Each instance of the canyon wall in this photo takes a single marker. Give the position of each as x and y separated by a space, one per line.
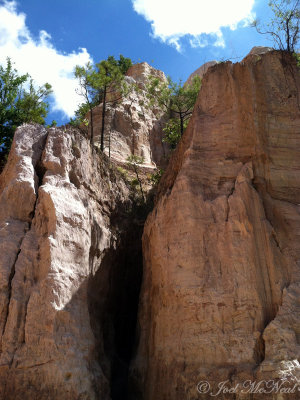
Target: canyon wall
220 288
220 293
67 273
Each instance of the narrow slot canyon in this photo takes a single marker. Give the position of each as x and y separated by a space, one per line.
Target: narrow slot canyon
113 297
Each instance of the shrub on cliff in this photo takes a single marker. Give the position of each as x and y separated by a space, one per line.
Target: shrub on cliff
134 162
101 84
284 27
20 102
176 99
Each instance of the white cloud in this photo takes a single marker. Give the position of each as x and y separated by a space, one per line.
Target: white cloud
40 58
173 19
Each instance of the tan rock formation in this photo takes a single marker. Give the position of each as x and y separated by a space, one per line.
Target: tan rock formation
131 126
140 73
221 287
62 213
258 50
201 71
220 295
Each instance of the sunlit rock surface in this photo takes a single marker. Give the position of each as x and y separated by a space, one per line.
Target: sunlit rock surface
221 297
62 215
131 126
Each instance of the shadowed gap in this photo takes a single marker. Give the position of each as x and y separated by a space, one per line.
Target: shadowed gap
113 305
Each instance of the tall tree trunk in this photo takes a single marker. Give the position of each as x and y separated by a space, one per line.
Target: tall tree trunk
181 124
288 34
103 118
139 181
133 132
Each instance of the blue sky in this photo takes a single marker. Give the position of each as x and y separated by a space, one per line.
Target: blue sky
48 38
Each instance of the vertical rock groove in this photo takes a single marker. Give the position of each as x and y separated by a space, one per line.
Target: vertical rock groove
17 211
10 278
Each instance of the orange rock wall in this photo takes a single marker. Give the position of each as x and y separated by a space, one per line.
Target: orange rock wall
220 296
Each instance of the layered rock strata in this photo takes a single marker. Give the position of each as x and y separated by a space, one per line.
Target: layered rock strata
221 289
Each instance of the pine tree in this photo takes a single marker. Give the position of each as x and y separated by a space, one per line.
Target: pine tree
104 85
20 101
176 99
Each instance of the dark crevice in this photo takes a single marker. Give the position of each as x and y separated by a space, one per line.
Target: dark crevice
74 179
38 149
113 296
96 235
228 206
11 277
40 171
259 350
261 189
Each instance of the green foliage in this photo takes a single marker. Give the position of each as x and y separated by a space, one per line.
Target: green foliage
297 56
134 162
176 99
284 27
104 84
10 86
123 172
20 102
87 89
111 85
156 176
82 111
108 73
123 64
134 182
172 131
74 122
30 104
93 81
52 125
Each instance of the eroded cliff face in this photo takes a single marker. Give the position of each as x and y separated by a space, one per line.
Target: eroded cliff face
201 71
221 289
131 126
69 278
220 293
